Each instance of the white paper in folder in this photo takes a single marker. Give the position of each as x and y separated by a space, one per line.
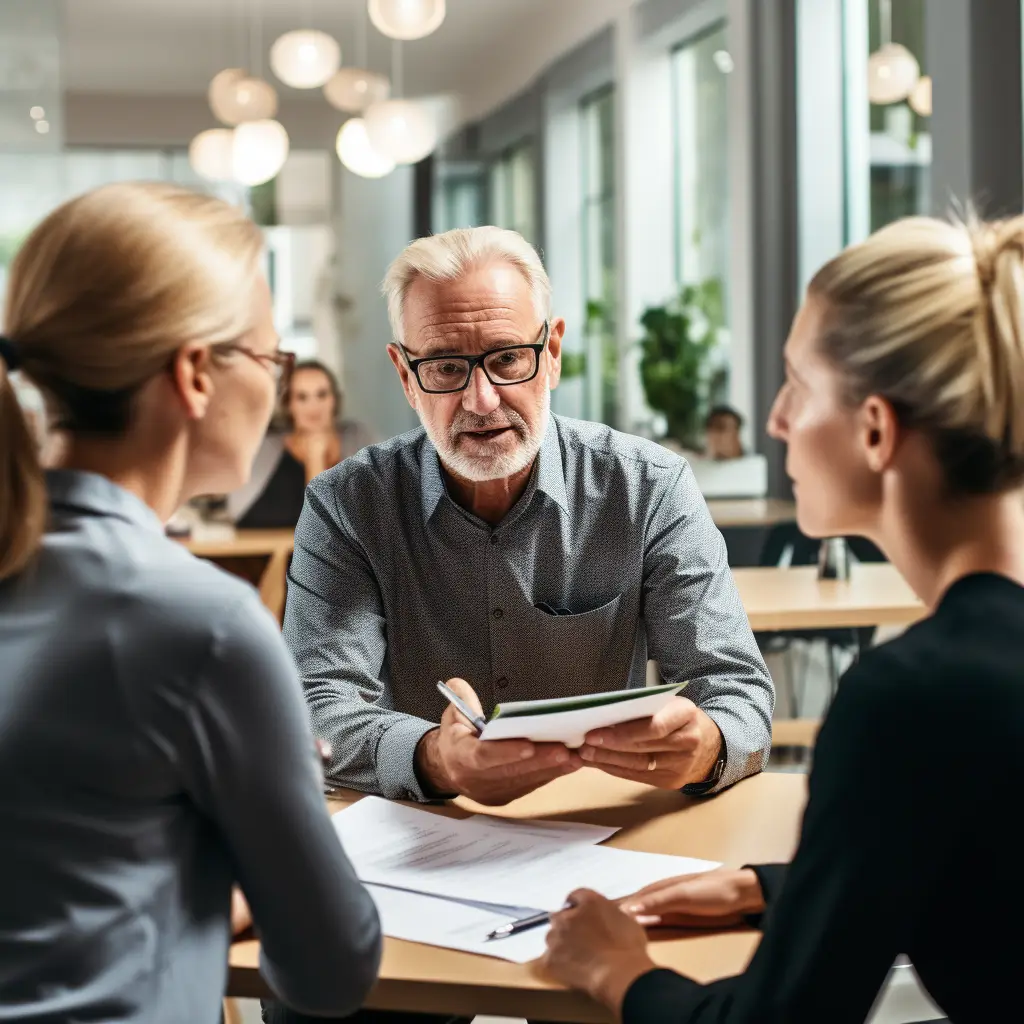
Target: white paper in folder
568 719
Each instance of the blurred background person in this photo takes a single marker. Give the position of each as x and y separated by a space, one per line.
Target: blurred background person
314 438
722 434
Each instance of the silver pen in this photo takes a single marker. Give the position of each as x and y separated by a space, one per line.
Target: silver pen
515 927
460 705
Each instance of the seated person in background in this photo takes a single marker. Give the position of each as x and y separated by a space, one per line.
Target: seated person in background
722 433
904 418
527 554
315 438
153 742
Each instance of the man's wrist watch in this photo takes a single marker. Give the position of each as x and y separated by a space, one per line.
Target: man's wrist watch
701 788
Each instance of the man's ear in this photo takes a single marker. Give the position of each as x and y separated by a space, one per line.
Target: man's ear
191 379
405 375
555 352
879 430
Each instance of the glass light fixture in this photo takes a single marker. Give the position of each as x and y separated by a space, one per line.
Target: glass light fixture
921 96
245 99
210 154
357 154
893 70
403 130
355 89
221 89
407 19
305 58
260 150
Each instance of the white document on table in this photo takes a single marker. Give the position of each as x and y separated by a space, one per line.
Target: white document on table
564 831
406 848
435 921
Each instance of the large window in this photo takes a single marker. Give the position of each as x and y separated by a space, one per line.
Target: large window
597 113
513 190
458 197
700 70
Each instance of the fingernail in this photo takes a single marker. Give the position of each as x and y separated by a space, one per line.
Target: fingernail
597 741
634 908
647 922
561 757
526 754
587 753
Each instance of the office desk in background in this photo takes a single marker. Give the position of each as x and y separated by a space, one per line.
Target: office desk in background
874 595
757 820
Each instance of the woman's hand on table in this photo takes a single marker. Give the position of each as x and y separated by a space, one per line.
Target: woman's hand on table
711 899
594 947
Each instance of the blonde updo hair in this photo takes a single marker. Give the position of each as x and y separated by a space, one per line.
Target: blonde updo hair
930 316
101 295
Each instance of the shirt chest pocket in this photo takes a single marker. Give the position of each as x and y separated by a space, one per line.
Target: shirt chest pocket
573 654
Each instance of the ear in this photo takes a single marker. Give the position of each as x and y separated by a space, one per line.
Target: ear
191 379
880 433
405 375
555 352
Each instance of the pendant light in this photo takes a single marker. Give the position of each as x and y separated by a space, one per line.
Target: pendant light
357 154
306 57
921 97
211 154
260 145
404 130
354 89
407 19
893 70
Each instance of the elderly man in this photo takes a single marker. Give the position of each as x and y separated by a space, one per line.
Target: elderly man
516 554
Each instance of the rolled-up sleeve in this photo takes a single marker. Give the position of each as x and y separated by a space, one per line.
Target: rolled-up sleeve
335 628
697 629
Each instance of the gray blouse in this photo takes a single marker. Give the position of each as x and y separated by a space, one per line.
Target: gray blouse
154 748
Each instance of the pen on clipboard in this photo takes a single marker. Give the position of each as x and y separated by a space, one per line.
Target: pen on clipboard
460 705
515 927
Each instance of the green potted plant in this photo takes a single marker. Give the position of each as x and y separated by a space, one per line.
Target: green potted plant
677 367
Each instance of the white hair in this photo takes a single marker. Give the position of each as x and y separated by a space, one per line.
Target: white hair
448 256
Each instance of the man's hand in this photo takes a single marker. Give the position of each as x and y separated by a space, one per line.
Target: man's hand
681 743
711 899
593 946
453 759
241 916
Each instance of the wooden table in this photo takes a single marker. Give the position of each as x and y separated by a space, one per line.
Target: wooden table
755 821
262 554
751 512
874 595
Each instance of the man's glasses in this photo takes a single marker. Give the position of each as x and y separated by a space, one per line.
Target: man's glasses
442 375
278 364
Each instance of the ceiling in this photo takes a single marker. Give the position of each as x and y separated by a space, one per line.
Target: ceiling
174 47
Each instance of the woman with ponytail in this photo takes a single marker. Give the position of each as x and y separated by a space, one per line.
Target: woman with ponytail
903 414
154 746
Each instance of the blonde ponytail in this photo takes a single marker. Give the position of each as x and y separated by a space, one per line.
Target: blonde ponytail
22 492
930 315
100 296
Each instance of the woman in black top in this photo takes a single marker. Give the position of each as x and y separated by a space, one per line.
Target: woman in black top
316 439
903 412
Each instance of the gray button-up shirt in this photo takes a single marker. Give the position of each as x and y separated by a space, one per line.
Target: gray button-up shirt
394 586
154 747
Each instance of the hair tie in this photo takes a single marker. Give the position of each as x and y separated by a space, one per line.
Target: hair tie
9 354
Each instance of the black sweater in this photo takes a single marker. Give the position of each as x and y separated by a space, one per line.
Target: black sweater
909 841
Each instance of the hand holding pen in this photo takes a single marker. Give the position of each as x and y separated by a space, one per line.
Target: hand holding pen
453 760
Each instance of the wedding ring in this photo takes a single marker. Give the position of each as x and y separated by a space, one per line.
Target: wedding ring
652 763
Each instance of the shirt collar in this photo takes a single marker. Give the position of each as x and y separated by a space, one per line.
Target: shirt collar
548 473
96 495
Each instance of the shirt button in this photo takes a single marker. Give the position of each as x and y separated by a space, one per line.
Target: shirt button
501 683
498 613
494 538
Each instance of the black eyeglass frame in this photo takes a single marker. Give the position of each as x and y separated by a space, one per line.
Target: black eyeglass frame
475 361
